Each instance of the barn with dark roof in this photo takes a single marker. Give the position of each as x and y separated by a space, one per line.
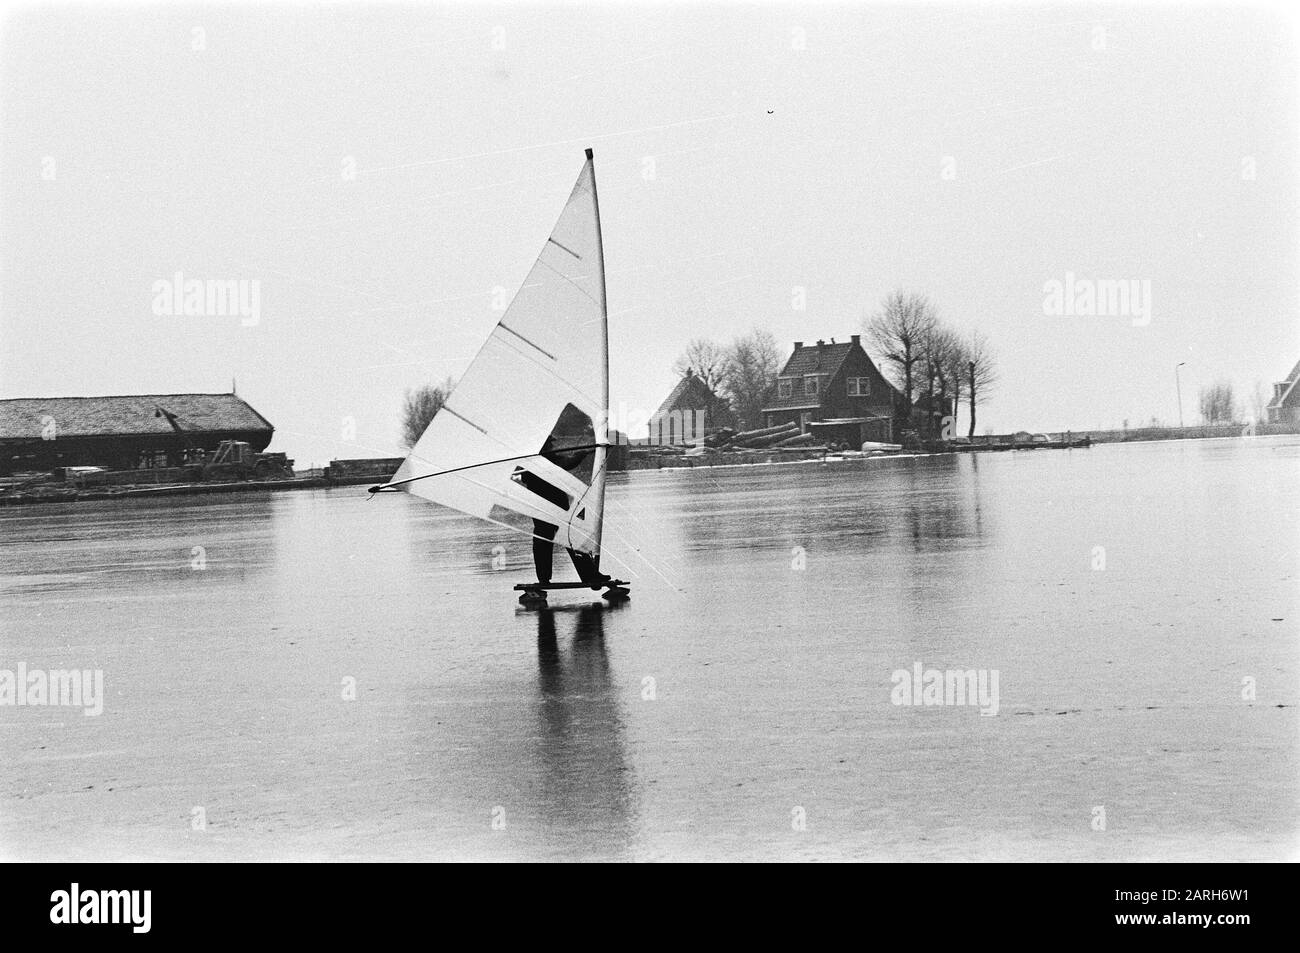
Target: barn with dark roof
1284 408
121 433
689 413
836 392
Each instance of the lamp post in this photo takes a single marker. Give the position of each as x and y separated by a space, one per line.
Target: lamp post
1178 386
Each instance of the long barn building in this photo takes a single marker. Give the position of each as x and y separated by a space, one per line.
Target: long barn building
122 433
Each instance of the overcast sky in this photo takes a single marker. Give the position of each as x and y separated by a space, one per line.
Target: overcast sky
971 153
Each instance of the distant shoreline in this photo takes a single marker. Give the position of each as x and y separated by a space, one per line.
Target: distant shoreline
1204 432
51 495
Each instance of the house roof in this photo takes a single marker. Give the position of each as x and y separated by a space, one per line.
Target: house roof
1291 381
690 387
824 360
24 418
816 359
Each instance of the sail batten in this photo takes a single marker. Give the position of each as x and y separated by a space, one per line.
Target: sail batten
523 436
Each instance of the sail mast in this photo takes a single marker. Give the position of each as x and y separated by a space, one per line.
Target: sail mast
602 425
604 309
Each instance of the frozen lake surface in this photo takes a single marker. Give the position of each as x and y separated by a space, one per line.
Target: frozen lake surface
739 706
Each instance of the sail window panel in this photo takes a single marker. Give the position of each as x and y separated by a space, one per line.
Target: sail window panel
534 484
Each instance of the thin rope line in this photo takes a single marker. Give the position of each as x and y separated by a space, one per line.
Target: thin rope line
487 463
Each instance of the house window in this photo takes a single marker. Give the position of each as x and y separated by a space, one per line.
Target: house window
810 385
859 386
785 388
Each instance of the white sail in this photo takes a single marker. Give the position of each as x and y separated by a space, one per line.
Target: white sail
540 382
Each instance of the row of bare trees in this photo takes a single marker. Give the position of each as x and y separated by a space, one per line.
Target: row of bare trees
923 357
1219 404
927 359
911 345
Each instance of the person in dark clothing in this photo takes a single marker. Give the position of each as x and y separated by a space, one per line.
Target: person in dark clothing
572 430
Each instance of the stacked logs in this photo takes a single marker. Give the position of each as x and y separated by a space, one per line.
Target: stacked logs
766 438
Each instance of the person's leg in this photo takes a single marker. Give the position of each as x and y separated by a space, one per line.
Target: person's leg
542 549
588 570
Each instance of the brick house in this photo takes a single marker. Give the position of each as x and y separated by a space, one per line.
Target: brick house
836 392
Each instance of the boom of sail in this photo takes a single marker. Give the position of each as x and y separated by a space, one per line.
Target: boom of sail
523 435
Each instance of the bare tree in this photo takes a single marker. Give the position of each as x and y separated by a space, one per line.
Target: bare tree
1259 403
419 407
897 333
1218 405
753 361
708 363
981 372
941 351
955 373
705 359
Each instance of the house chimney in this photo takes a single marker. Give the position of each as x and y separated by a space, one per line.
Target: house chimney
798 344
856 339
690 372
